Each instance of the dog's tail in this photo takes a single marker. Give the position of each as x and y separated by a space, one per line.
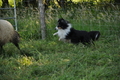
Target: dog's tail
97 35
94 35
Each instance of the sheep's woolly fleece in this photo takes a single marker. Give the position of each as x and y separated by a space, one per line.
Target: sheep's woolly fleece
6 31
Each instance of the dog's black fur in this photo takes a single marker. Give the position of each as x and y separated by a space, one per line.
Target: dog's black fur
77 36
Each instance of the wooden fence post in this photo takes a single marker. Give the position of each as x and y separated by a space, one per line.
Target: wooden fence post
42 18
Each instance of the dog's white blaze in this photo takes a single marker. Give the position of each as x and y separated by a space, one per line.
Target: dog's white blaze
62 33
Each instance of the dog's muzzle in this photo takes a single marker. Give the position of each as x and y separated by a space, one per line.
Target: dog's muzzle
56 28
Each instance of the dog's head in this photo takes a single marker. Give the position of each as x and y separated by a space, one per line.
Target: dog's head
62 24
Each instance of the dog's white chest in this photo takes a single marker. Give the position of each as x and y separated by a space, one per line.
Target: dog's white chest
62 34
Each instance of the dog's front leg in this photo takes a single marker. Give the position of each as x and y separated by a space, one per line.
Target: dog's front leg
55 33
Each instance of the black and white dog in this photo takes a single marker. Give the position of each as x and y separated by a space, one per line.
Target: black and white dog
67 33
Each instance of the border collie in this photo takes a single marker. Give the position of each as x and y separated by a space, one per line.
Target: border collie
66 32
94 35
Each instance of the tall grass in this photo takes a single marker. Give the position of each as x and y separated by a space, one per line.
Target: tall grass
51 59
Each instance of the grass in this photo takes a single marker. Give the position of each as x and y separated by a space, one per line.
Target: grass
51 59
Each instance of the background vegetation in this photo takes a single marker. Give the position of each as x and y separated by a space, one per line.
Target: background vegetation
51 59
57 3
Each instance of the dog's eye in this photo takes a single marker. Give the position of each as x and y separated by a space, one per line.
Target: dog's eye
58 25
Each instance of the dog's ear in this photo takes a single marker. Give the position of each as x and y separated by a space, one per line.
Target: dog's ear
61 20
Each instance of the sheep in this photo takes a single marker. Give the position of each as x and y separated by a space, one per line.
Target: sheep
8 34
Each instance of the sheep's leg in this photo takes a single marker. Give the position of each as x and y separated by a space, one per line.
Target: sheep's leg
1 49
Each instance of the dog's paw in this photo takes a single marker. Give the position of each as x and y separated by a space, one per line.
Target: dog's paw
59 39
54 34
